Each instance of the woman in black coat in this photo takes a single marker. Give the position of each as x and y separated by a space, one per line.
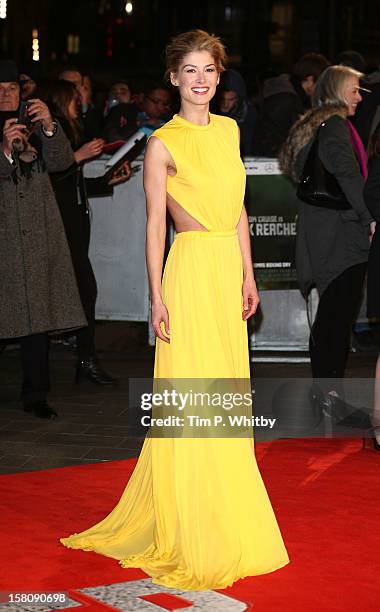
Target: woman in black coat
332 245
71 195
372 199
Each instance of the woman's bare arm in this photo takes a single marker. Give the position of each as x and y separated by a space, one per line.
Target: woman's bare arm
245 244
156 162
250 296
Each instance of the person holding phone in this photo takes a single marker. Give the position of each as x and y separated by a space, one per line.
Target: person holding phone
71 193
39 294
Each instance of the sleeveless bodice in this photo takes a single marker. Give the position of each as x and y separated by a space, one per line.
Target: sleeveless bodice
210 179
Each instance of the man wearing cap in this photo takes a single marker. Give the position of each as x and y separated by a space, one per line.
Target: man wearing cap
38 292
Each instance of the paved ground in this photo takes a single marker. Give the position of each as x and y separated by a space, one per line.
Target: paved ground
93 422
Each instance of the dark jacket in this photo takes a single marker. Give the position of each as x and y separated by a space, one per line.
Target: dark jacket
243 111
92 123
38 292
368 114
372 199
121 122
328 241
284 101
71 194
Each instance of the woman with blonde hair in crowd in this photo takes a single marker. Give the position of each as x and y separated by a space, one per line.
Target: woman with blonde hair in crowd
333 238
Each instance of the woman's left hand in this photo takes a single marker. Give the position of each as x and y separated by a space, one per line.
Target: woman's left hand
39 111
251 298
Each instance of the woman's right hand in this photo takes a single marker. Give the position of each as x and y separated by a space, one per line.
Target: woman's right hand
89 150
12 131
160 315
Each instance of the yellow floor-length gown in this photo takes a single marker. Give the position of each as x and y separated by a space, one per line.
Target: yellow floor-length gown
195 513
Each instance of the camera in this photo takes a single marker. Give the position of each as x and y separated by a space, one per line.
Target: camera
23 116
24 119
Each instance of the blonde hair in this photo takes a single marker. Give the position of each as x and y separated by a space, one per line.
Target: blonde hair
195 40
329 89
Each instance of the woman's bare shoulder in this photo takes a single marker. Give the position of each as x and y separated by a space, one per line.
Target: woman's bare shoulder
156 149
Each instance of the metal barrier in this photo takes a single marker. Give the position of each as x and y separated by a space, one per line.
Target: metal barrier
117 249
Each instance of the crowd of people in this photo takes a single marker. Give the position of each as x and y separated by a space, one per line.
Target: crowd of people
265 109
69 123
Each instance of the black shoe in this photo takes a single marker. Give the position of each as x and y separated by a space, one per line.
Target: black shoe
339 411
335 408
41 409
326 404
91 369
372 443
344 414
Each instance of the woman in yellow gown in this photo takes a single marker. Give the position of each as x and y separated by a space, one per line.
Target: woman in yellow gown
195 513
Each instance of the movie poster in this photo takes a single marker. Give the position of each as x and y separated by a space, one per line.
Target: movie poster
272 212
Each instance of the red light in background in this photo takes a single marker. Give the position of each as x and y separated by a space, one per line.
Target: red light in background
109 41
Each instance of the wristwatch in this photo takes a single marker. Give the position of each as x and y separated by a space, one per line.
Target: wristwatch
9 157
50 133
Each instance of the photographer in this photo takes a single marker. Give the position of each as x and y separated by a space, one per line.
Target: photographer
38 292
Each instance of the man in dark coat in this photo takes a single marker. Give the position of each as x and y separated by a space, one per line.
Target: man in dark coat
368 115
233 102
38 292
285 98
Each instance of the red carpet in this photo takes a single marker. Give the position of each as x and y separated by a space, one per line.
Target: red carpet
325 493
